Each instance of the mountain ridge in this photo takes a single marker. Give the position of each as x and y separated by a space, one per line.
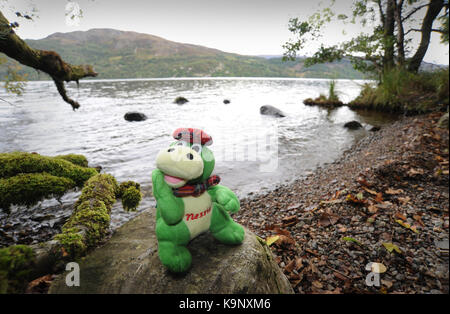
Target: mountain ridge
127 54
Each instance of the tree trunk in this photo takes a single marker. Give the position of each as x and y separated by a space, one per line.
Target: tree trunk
400 34
388 36
47 61
433 10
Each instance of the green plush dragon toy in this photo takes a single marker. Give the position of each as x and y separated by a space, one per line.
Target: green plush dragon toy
189 200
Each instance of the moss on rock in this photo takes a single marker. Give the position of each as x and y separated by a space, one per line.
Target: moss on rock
78 160
12 164
15 268
131 198
28 189
89 222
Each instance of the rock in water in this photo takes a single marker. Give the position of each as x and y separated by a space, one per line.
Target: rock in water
271 111
353 125
129 263
135 116
180 100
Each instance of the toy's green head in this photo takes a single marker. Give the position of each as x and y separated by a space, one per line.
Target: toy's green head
188 159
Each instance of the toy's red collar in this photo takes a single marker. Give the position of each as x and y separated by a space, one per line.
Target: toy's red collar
196 189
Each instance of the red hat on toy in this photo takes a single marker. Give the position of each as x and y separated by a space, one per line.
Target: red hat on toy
193 136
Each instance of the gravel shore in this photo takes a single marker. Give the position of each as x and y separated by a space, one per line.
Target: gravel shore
385 201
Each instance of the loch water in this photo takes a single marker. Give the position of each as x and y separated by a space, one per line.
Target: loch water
253 152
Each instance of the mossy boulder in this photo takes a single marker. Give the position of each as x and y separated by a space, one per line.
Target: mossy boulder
30 188
27 178
129 263
76 159
15 163
16 264
89 223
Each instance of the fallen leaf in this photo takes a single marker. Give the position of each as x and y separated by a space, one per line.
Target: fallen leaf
379 197
412 172
356 200
280 231
407 226
340 276
289 221
370 191
388 284
419 220
372 209
363 182
391 247
404 200
317 284
348 239
331 202
400 216
327 219
378 268
384 205
272 239
290 266
393 192
284 240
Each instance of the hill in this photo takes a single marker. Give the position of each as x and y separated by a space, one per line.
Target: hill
124 54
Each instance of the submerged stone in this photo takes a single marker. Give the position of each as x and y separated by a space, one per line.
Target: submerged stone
180 100
271 111
353 125
135 116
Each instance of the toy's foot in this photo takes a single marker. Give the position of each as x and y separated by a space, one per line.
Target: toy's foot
175 257
232 233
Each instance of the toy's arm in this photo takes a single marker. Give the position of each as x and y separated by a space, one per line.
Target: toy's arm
225 197
170 207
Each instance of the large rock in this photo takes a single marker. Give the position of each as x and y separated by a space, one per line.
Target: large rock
129 263
353 125
180 100
135 116
271 111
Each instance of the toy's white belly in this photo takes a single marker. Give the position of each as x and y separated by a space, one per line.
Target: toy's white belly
197 213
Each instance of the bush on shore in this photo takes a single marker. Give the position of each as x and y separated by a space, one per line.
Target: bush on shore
406 92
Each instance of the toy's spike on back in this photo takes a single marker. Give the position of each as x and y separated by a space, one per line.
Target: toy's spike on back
193 136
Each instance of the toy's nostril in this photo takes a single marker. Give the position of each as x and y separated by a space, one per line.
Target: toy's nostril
170 150
190 156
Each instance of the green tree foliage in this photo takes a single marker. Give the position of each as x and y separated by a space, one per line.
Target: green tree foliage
385 43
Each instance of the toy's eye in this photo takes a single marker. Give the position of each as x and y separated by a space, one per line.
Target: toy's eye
197 148
181 143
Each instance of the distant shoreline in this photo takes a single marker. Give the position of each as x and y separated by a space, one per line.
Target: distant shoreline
206 78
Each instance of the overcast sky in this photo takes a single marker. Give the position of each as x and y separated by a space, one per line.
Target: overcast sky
250 27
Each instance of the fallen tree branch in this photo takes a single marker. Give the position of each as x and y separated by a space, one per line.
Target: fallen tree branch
49 62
